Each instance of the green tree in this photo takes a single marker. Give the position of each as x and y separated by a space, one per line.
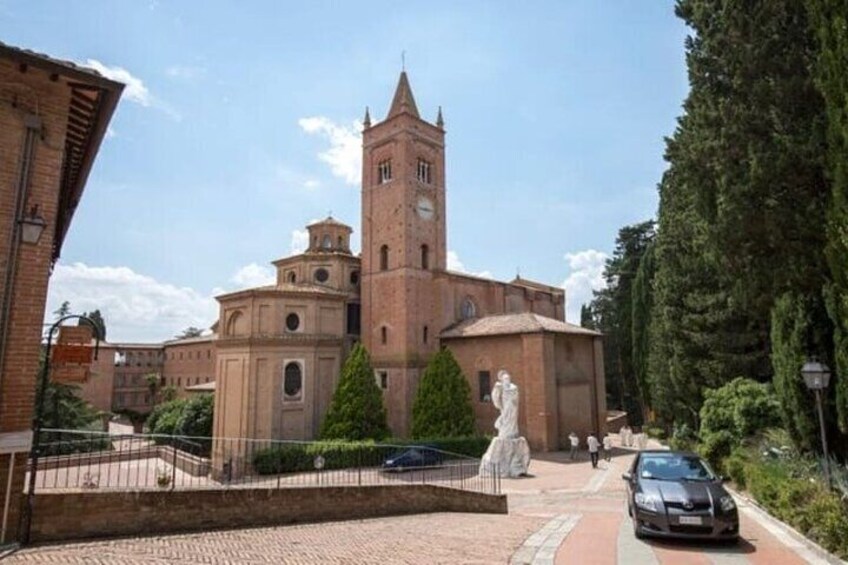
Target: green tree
641 300
442 406
796 334
185 416
612 309
65 410
97 318
743 200
190 331
63 310
830 23
356 411
587 319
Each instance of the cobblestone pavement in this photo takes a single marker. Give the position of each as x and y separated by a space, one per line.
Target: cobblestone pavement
566 512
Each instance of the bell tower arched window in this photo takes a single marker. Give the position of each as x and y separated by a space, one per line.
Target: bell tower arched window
425 257
384 258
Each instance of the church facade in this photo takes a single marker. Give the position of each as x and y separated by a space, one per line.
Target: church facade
280 348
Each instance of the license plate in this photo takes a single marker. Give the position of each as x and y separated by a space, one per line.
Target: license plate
691 521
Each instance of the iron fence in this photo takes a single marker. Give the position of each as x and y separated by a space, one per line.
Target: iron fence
72 460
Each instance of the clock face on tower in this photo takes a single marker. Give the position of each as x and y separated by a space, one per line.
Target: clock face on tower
425 208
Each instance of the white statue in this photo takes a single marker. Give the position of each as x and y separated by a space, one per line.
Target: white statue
508 455
505 399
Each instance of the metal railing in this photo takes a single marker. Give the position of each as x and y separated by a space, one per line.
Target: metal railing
73 460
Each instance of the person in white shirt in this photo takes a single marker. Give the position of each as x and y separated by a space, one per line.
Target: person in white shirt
575 442
607 447
593 444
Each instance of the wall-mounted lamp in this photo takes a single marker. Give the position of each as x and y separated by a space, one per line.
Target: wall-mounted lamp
32 225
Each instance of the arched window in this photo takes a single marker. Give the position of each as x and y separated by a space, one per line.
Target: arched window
426 332
468 309
425 257
292 380
354 278
327 242
292 277
384 258
384 335
235 325
341 242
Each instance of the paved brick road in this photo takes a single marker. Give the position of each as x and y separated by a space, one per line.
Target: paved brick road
565 513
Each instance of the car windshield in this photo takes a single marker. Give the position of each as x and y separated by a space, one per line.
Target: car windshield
674 467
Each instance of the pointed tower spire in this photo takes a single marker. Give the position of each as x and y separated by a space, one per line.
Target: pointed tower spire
440 121
367 121
403 100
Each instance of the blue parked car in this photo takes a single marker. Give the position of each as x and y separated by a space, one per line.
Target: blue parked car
413 457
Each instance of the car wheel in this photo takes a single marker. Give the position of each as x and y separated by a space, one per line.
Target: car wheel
636 531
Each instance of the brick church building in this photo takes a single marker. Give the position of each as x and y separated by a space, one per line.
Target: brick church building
280 347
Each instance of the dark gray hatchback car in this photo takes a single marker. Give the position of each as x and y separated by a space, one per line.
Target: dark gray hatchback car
676 494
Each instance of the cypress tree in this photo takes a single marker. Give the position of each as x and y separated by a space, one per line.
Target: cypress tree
442 406
641 322
830 22
356 411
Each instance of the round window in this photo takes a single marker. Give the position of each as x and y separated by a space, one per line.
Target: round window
293 380
292 322
321 275
354 278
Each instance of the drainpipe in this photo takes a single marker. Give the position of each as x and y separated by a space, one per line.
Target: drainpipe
32 123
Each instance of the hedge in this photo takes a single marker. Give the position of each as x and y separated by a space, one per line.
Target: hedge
805 504
300 457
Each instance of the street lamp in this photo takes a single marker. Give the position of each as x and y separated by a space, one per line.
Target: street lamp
817 377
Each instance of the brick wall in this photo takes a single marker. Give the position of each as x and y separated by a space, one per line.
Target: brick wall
29 290
58 516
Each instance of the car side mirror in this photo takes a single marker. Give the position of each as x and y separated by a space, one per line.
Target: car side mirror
627 477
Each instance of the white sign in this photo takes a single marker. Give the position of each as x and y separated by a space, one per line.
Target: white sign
16 442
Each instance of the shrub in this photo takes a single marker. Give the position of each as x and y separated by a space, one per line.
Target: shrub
300 457
655 432
442 406
735 466
356 411
737 410
716 447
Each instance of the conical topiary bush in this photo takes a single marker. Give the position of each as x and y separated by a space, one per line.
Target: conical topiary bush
442 406
356 411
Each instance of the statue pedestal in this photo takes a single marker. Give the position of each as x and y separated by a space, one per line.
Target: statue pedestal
510 457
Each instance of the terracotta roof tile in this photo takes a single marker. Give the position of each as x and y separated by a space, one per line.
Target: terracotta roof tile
506 324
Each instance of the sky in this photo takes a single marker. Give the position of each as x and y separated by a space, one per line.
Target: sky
240 123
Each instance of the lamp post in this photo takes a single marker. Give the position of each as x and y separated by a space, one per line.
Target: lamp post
817 377
43 380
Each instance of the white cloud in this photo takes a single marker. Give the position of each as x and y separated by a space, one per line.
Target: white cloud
586 273
253 275
455 265
136 307
135 91
345 153
299 241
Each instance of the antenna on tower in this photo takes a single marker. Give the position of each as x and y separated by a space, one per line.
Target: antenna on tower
403 61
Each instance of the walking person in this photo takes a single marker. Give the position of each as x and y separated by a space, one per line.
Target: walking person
575 442
607 448
593 444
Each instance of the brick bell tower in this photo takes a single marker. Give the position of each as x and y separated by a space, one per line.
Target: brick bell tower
403 246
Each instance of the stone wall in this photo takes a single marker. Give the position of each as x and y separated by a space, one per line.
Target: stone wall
107 514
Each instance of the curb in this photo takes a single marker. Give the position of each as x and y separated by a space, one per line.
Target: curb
785 528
